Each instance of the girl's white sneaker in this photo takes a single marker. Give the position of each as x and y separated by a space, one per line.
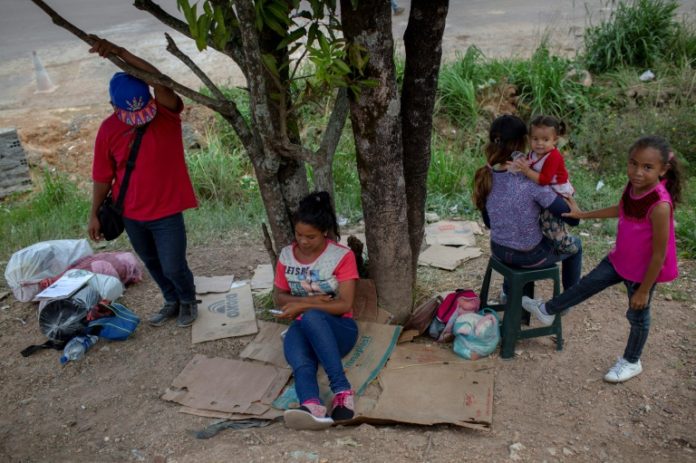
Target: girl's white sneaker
622 371
308 417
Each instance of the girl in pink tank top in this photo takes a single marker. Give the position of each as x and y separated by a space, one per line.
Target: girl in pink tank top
644 253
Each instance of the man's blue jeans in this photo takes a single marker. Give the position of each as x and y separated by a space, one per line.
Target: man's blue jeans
600 278
161 245
543 255
317 338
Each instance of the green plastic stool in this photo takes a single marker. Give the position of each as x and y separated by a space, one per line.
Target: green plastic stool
521 283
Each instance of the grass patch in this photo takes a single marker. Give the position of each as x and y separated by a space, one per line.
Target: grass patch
637 33
58 210
473 86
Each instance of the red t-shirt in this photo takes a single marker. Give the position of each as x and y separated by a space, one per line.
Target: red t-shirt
334 265
159 185
551 167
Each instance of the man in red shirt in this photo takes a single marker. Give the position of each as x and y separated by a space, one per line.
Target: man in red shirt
159 189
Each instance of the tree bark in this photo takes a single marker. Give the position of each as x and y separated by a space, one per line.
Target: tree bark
375 117
423 43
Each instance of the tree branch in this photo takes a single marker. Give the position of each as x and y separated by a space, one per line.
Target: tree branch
334 129
224 107
180 26
174 50
268 244
256 71
235 118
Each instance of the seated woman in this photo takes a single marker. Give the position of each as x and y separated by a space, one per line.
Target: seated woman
511 203
314 286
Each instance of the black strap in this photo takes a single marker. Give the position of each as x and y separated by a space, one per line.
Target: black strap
50 344
129 167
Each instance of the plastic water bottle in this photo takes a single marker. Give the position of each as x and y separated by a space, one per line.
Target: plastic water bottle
75 349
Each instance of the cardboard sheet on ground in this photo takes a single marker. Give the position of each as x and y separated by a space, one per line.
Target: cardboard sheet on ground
229 386
217 284
362 364
365 303
430 385
452 233
447 257
270 414
225 315
267 346
263 277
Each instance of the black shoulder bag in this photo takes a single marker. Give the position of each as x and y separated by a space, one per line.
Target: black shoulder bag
110 215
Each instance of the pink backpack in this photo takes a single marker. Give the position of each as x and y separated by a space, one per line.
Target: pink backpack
459 302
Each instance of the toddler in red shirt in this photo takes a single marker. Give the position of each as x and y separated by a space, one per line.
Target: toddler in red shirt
545 166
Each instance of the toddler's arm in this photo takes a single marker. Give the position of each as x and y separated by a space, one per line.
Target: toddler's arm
523 166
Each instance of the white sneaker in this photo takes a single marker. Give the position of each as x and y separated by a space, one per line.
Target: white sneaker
622 371
533 306
308 417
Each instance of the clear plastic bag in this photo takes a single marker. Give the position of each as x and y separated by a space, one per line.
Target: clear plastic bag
62 319
27 267
476 335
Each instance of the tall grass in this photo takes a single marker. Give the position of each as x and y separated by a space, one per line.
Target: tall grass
637 33
222 173
57 210
543 84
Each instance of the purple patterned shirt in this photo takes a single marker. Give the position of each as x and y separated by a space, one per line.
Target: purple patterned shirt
513 206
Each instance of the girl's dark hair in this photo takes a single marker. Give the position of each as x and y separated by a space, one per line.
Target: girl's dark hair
669 159
506 135
317 210
548 121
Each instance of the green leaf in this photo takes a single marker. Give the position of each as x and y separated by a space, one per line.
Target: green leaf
323 42
270 62
312 34
293 36
275 26
280 13
342 66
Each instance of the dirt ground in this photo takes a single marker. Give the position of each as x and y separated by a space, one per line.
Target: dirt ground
107 407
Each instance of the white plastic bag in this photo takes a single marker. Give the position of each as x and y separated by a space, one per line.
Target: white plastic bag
108 287
28 266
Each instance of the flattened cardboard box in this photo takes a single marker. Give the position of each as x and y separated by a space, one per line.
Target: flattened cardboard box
267 346
263 277
228 386
447 257
216 284
365 303
452 233
225 315
429 385
271 414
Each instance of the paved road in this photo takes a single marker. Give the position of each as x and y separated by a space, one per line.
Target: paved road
498 27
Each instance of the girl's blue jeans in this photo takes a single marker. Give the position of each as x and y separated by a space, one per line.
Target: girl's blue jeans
543 255
161 244
600 278
319 338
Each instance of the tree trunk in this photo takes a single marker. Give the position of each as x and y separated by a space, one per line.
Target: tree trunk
377 129
423 42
